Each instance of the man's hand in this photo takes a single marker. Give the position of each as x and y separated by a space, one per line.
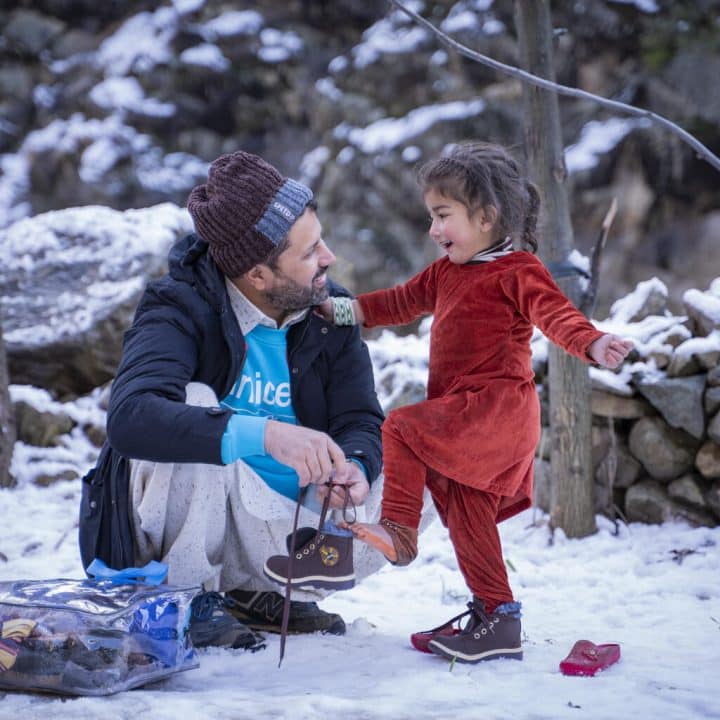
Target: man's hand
310 453
610 350
353 478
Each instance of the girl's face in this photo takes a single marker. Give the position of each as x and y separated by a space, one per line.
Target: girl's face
458 235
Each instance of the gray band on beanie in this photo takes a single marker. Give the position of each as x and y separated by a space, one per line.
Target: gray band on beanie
284 209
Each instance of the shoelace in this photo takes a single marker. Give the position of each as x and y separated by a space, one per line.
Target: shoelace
323 515
478 616
448 623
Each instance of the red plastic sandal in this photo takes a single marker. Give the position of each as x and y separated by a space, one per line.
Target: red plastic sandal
420 640
586 658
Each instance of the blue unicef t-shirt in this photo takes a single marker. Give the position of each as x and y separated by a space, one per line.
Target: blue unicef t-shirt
262 393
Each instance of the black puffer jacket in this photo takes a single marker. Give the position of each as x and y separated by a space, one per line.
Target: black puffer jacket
185 331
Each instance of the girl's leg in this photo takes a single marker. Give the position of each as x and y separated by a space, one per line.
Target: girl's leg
471 519
395 536
493 628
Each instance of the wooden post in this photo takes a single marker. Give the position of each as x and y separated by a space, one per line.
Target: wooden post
7 420
572 484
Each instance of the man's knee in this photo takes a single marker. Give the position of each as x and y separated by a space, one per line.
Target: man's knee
200 395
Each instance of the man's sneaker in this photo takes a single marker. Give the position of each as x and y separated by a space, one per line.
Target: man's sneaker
320 561
212 625
263 611
486 636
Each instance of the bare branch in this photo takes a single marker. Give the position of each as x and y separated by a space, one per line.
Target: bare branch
527 77
587 305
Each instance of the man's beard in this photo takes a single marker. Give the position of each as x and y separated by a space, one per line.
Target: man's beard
292 296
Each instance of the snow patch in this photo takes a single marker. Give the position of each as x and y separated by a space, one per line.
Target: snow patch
232 23
596 139
205 55
630 305
705 303
388 133
126 93
393 35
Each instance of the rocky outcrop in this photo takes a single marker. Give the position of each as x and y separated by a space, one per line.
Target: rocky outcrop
69 285
125 104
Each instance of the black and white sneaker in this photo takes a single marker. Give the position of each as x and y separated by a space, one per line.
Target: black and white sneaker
263 611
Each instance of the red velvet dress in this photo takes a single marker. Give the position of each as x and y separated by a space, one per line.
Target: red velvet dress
481 422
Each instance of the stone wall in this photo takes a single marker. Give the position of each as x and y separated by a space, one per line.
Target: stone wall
656 423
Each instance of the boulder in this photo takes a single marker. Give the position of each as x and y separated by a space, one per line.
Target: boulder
621 471
695 355
714 429
712 498
713 377
679 400
664 452
69 286
689 490
707 460
712 400
605 404
648 502
38 428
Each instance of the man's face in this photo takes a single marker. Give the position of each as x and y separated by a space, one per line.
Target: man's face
299 280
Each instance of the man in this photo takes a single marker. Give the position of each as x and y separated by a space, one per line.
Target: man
230 396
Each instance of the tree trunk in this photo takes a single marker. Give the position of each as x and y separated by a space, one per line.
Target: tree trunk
572 490
7 420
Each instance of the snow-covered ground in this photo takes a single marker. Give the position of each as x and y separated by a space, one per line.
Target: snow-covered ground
655 590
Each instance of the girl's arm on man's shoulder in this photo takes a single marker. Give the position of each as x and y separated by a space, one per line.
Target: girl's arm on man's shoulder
401 304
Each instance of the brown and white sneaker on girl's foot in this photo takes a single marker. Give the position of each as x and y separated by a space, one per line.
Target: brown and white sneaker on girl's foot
486 636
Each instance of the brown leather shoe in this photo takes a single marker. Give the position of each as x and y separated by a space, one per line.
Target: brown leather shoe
324 561
486 636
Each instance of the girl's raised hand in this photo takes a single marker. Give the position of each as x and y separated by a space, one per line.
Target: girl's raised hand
610 350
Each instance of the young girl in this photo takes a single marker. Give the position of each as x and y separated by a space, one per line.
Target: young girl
472 442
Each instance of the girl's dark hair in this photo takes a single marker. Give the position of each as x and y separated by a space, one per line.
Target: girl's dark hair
480 175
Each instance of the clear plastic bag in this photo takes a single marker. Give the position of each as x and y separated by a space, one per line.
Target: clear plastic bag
92 637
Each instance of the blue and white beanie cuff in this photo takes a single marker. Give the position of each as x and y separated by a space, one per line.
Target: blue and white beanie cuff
287 205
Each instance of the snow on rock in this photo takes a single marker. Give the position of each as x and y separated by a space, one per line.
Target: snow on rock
233 23
647 6
703 309
598 138
140 43
395 34
401 366
111 155
205 55
648 298
69 283
695 346
126 94
617 383
388 133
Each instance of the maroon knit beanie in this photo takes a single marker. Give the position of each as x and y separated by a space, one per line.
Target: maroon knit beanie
244 210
